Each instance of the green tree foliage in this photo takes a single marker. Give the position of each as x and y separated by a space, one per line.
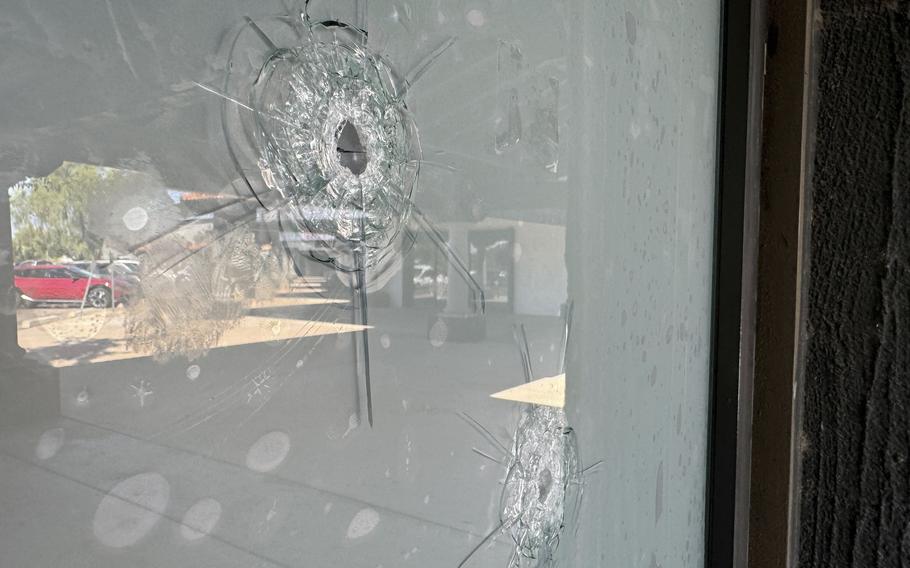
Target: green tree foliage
50 214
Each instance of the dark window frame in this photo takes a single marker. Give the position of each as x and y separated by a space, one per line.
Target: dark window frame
742 42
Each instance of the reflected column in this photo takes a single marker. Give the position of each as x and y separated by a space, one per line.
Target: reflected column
460 320
457 293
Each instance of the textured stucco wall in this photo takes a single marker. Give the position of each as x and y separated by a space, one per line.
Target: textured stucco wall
855 446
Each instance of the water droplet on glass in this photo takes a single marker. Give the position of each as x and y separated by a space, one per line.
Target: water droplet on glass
327 509
200 519
193 372
299 363
385 341
476 18
82 397
363 523
268 452
50 443
131 509
136 218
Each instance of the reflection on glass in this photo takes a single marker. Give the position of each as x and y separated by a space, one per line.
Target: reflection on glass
428 282
491 264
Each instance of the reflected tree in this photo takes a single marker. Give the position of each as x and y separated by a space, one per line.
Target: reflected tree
50 214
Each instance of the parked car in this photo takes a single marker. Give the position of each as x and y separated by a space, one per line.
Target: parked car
68 284
105 268
25 263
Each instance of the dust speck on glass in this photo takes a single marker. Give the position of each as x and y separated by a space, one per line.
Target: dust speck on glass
355 283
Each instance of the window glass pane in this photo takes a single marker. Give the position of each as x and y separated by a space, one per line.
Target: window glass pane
397 283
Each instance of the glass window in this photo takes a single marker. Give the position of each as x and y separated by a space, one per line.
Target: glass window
405 283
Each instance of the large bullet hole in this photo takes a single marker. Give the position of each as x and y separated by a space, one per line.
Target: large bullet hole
351 152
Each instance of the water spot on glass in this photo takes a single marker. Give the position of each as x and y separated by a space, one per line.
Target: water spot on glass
192 372
426 500
142 391
260 387
136 218
659 493
631 28
131 509
540 359
388 472
438 333
634 130
385 341
327 509
363 523
476 18
404 404
268 452
342 340
589 63
516 252
83 397
299 363
509 130
262 525
353 424
50 443
411 552
552 347
200 519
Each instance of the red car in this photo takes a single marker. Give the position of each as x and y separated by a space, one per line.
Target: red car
68 284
